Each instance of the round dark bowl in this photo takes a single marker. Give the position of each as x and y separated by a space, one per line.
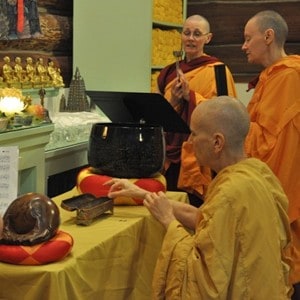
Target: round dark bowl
126 150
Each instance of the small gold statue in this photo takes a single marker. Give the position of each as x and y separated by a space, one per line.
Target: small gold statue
54 73
8 71
31 75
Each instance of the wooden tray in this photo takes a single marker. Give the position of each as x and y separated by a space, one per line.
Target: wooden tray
88 207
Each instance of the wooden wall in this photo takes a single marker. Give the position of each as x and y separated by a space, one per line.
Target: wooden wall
56 42
227 19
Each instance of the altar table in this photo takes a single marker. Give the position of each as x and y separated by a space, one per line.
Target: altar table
113 259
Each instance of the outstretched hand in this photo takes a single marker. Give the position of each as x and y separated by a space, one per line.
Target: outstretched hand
157 203
125 188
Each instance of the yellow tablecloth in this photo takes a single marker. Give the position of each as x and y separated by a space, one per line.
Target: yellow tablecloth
113 259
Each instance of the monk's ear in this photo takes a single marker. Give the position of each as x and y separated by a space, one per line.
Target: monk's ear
219 142
269 36
208 37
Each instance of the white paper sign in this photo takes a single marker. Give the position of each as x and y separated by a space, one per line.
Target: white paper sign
9 158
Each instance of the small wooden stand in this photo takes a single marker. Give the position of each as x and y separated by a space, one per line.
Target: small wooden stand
88 207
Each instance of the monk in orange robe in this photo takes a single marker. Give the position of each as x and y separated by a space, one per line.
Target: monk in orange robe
185 86
274 109
235 245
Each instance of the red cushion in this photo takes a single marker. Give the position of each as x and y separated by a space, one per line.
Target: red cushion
47 252
89 182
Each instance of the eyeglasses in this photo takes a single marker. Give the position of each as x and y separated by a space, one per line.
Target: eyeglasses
196 34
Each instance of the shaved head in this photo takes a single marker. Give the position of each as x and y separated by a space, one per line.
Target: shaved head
269 19
201 19
225 115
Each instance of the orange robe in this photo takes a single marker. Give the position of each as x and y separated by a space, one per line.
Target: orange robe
202 84
274 135
236 252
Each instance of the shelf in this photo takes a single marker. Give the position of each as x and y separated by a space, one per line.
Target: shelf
50 92
24 127
157 67
166 25
19 132
66 158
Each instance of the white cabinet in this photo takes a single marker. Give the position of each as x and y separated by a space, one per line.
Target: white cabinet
31 143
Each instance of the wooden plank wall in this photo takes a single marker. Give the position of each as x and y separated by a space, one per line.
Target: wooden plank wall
56 42
227 19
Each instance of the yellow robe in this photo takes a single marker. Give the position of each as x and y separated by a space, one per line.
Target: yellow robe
274 135
202 84
238 249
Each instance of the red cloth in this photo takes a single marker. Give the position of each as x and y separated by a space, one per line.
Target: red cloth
20 20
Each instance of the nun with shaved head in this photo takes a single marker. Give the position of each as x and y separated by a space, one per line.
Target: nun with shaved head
235 245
